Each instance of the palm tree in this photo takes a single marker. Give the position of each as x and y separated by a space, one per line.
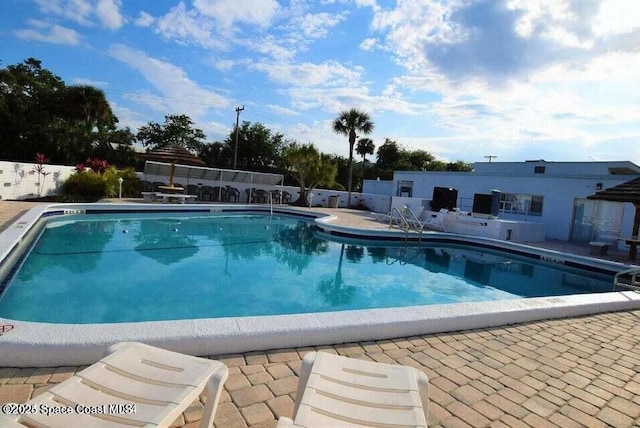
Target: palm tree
347 123
365 147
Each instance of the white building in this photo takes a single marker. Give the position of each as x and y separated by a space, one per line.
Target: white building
553 193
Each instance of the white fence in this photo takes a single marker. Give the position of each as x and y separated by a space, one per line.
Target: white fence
19 180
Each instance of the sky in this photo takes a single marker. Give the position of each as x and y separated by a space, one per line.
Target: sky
463 79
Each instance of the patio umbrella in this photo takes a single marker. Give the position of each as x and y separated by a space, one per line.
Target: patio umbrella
173 155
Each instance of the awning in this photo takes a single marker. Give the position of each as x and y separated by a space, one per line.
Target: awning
212 174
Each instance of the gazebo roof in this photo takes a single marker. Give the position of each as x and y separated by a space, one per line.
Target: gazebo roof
176 154
628 191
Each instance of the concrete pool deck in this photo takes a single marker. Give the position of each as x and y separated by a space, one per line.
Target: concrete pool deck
568 372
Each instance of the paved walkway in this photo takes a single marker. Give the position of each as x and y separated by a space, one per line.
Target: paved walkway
566 373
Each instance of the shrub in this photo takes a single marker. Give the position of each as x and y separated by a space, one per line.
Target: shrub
84 187
130 185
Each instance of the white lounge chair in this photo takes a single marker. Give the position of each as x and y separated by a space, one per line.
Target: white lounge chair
339 392
135 385
435 222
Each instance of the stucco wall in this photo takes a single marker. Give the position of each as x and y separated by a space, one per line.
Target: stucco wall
559 193
19 180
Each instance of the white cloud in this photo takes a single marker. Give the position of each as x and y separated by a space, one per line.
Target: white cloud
228 12
271 46
44 32
179 94
214 130
368 44
134 119
144 20
617 17
189 27
89 82
81 11
75 10
282 110
108 12
308 74
317 25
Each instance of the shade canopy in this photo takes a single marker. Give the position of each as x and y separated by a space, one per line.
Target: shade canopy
213 174
176 154
628 191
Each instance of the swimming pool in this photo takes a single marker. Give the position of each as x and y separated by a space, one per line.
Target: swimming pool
119 267
39 343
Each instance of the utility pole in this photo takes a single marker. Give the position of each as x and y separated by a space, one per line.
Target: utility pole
490 157
235 155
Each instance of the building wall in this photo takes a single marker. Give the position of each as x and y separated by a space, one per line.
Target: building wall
18 180
559 191
557 168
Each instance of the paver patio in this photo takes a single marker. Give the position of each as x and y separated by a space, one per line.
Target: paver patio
568 373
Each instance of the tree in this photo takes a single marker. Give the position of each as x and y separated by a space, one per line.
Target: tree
216 155
364 147
27 101
88 121
309 168
389 155
177 130
348 123
258 147
39 113
418 160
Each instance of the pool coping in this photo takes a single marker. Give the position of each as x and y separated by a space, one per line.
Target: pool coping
31 344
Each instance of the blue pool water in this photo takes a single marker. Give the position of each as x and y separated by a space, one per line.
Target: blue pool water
142 267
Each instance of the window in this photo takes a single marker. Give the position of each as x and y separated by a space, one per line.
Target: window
518 203
539 169
405 188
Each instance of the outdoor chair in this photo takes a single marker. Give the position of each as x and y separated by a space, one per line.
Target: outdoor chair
276 196
219 194
192 189
286 197
134 385
206 193
335 391
435 222
260 196
233 195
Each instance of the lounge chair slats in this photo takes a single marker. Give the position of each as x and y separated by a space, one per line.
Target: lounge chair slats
343 392
74 419
79 393
161 384
113 382
317 405
156 363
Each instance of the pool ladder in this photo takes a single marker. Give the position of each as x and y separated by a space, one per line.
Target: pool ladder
628 279
406 220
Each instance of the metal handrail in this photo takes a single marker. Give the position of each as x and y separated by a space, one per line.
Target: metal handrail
404 224
633 283
414 217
